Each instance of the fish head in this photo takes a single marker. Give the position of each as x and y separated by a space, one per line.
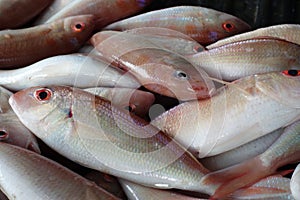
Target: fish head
80 26
283 87
42 109
223 25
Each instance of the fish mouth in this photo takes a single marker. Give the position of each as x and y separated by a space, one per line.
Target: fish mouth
33 146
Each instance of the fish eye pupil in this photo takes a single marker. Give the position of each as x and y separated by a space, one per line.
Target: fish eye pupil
78 26
228 26
181 74
293 72
43 95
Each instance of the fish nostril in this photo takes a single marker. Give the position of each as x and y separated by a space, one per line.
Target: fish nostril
3 134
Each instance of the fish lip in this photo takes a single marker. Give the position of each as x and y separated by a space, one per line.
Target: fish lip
33 146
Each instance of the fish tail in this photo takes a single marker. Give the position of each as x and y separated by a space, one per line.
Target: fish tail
228 180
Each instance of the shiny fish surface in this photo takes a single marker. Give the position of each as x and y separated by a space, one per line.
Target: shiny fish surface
23 47
156 69
238 113
73 70
202 24
285 150
88 130
104 11
288 32
241 153
16 13
239 59
27 175
295 183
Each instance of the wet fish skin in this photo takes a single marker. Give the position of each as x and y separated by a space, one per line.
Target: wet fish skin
158 70
202 24
243 58
285 150
252 106
88 130
16 13
288 32
241 153
25 46
53 8
135 101
12 131
105 11
71 69
43 178
295 183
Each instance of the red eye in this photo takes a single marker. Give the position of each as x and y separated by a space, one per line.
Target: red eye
198 49
78 27
3 135
291 72
228 26
43 94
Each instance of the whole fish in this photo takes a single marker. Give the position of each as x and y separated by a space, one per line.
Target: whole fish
238 113
138 192
239 59
90 131
104 11
25 46
53 8
295 183
158 70
163 38
73 70
285 150
16 13
202 24
135 101
27 175
241 153
288 32
12 131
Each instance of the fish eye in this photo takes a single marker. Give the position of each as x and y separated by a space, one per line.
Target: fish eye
291 72
181 75
78 27
198 49
43 94
130 108
228 26
3 135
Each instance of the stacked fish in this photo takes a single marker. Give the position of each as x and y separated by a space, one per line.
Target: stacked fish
86 81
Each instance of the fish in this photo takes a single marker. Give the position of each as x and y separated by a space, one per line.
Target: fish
104 11
28 175
23 47
237 113
288 32
12 131
158 70
202 24
285 150
70 69
239 59
138 192
14 14
90 131
241 153
134 101
166 39
295 183
53 8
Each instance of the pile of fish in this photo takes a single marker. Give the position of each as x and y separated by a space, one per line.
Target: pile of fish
180 103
